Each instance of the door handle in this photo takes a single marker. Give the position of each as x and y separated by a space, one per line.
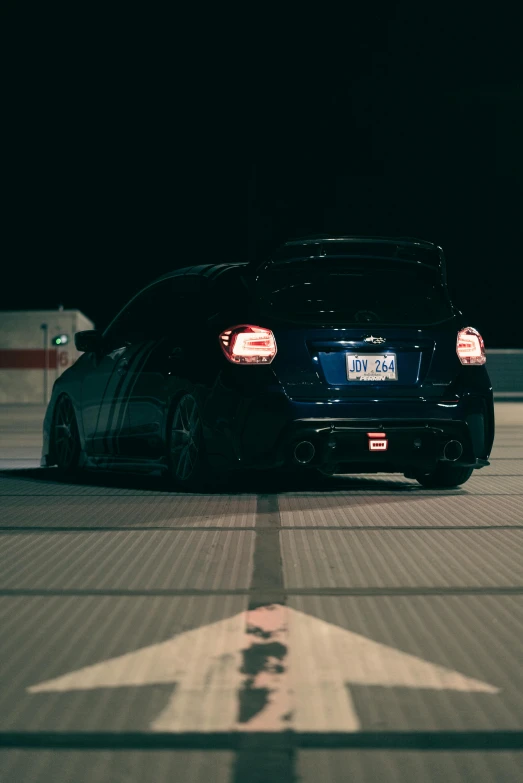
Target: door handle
122 367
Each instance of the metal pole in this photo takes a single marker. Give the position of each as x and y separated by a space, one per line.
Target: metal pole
46 359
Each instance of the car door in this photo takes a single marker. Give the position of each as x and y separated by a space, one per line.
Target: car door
105 388
173 313
97 389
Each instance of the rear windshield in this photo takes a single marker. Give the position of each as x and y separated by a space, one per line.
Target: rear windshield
351 292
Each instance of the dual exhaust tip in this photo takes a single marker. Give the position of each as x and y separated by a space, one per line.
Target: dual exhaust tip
452 450
304 451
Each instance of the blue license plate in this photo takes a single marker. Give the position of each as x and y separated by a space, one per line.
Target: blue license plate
372 367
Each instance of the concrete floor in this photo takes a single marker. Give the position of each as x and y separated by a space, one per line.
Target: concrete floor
360 629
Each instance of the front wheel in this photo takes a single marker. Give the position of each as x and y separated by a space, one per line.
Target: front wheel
445 476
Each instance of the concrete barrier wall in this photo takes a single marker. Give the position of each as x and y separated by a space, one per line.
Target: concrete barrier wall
25 386
505 367
29 363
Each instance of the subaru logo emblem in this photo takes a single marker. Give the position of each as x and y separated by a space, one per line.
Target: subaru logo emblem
374 340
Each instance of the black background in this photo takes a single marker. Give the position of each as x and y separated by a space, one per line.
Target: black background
140 141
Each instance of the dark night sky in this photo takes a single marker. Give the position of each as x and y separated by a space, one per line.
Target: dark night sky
140 143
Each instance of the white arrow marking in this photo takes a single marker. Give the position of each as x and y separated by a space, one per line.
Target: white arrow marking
285 668
265 670
324 658
204 663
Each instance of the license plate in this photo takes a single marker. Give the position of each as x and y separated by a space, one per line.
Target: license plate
372 367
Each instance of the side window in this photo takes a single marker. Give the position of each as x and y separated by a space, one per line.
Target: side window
128 326
176 304
232 296
156 313
117 333
164 308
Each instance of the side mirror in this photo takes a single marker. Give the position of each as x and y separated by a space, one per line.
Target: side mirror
89 341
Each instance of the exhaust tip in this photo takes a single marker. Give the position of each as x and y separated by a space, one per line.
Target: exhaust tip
304 452
452 450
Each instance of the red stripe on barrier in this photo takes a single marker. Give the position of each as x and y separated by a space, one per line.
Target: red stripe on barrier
27 359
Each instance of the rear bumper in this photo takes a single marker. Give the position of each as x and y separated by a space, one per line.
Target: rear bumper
267 427
408 445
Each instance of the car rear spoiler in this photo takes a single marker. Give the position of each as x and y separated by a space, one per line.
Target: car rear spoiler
410 251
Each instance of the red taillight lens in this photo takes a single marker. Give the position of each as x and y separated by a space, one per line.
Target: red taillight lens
248 344
470 347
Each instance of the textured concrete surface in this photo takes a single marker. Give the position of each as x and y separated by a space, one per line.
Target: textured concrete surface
357 629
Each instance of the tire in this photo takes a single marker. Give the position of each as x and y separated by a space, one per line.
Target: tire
327 473
66 439
445 476
188 466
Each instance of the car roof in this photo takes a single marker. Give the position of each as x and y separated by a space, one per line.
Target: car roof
211 272
206 271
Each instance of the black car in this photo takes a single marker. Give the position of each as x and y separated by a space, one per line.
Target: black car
340 354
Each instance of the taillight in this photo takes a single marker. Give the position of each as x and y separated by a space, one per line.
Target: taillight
248 344
470 347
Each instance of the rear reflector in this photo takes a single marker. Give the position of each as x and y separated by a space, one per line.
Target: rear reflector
470 347
377 441
248 344
378 445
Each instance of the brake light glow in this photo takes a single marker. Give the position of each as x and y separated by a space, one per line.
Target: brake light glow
248 344
470 347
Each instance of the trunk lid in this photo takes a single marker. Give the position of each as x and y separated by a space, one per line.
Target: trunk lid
316 363
362 328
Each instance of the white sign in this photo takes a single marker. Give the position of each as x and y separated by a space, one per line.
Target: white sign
301 663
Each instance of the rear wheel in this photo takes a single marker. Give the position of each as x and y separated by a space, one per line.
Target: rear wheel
66 439
444 476
188 467
327 472
324 474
